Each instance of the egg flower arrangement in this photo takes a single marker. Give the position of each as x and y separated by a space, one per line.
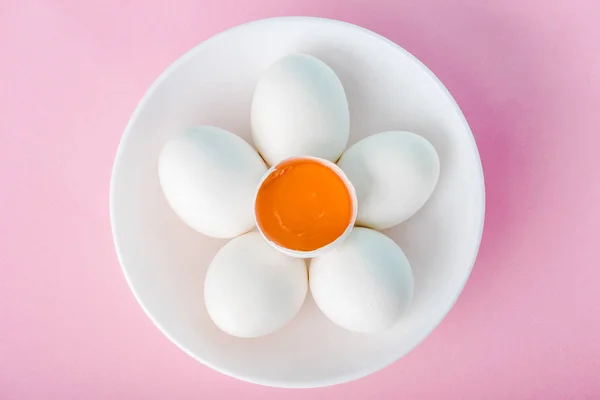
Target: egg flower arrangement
317 208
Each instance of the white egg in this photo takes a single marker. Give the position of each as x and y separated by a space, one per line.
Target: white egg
394 174
300 108
209 177
252 289
365 284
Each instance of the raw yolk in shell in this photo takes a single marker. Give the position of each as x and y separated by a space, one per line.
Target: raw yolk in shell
303 205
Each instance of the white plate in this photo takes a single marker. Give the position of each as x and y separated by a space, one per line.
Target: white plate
165 261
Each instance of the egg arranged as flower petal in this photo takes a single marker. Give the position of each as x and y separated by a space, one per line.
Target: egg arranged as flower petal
209 177
252 289
300 108
394 174
363 285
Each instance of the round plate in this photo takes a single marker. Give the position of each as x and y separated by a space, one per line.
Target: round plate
388 89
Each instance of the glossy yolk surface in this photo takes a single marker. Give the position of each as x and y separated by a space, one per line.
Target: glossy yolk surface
303 205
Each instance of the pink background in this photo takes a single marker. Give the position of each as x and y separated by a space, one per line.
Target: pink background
527 76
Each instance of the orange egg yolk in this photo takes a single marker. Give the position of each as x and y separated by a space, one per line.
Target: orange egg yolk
303 205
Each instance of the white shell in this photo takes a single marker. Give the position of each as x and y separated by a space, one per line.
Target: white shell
209 178
252 289
394 174
363 285
300 108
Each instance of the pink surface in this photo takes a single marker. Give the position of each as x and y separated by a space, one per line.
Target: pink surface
525 72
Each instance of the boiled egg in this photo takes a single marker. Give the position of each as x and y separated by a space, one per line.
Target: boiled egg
300 108
363 285
251 289
394 174
209 177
